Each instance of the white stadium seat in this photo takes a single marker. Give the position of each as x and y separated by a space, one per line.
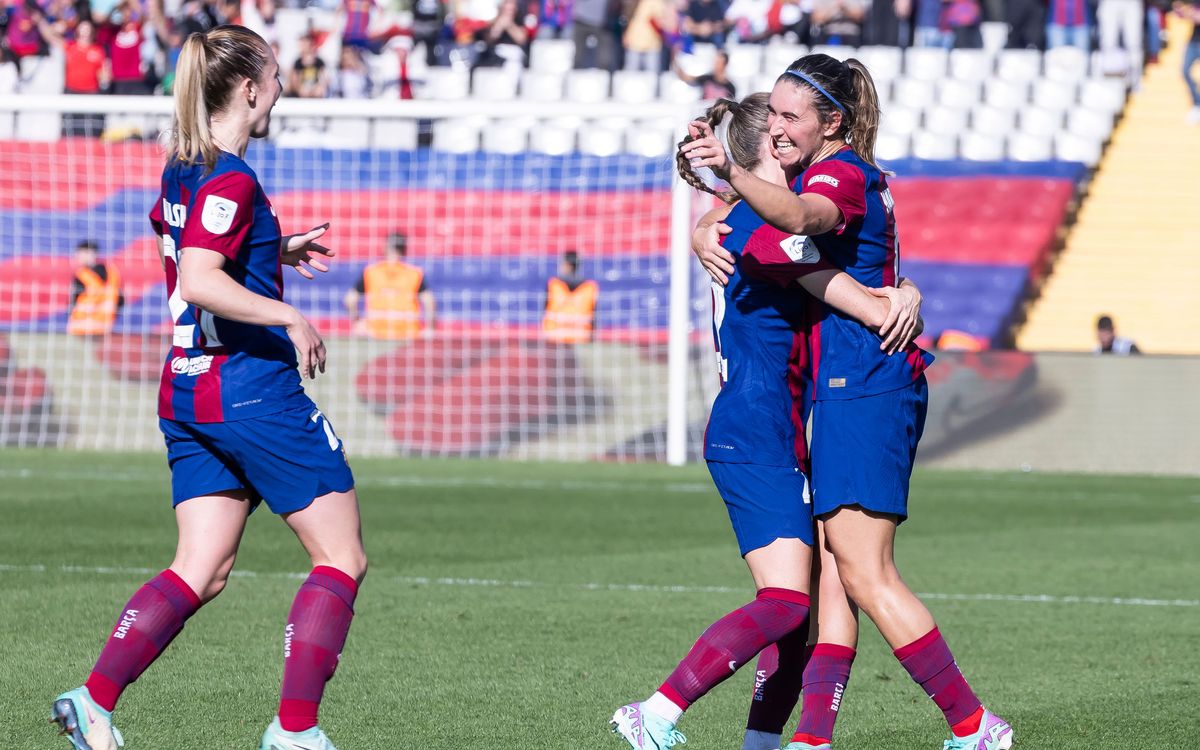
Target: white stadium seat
398 135
699 61
926 145
506 137
553 138
634 87
778 56
1039 122
989 120
1019 64
552 55
38 126
348 132
971 64
587 86
457 136
982 147
600 141
1071 147
764 82
1023 147
925 63
995 35
885 63
673 89
1066 64
1054 95
1006 94
1105 94
914 92
959 93
900 120
446 84
892 146
1091 123
943 120
836 51
494 84
652 142
542 86
745 60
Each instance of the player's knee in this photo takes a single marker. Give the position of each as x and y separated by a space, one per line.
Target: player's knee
353 563
862 579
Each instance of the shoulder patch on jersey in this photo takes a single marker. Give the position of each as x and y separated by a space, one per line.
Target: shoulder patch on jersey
800 248
827 179
218 213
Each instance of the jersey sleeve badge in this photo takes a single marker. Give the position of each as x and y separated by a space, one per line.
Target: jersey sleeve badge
218 214
800 248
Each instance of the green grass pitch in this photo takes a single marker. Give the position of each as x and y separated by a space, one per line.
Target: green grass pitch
514 606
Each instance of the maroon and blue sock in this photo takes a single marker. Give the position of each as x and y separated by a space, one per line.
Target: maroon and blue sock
151 619
777 682
313 640
825 680
931 665
733 641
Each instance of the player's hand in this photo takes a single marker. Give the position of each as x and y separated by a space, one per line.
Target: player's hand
705 150
706 244
299 251
899 328
310 349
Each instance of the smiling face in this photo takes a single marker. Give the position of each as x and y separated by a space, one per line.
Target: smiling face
268 88
794 125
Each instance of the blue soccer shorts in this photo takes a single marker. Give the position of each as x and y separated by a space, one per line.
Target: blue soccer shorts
765 503
287 459
863 450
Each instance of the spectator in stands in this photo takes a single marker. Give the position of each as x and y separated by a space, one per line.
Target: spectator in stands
352 79
95 293
122 35
714 85
643 38
86 71
1108 342
964 19
593 24
1156 16
429 30
839 21
704 21
791 18
1026 21
555 17
505 41
927 26
399 304
359 21
21 36
1067 24
1191 11
750 20
882 25
1121 25
570 316
308 78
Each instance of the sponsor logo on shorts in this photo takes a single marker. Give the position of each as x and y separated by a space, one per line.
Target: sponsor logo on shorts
192 365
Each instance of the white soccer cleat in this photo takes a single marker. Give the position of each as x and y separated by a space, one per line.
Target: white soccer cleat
276 738
84 723
644 730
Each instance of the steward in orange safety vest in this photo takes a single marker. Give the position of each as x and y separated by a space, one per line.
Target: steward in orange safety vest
95 294
398 305
570 304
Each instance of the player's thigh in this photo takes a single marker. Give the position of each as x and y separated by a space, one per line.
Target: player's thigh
330 530
783 564
289 458
861 542
210 530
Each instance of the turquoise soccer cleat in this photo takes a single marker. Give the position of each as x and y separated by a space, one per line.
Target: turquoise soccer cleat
994 734
806 746
276 738
644 730
84 723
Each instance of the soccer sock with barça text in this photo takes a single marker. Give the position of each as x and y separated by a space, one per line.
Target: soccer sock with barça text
734 640
777 682
150 620
931 665
313 640
825 679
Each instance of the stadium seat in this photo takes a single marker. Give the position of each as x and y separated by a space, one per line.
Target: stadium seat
1057 96
649 142
1021 65
1067 64
995 35
9 78
1072 147
946 121
506 137
765 82
989 120
1024 147
8 125
914 92
836 51
347 132
673 89
38 126
927 145
1039 122
976 146
699 61
892 146
554 139
587 86
552 55
446 84
1090 123
630 87
962 94
925 63
884 63
456 136
1006 94
971 64
397 135
900 120
1105 94
745 60
597 141
494 84
779 55
542 86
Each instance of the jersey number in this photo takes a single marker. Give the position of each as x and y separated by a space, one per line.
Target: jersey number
318 418
185 335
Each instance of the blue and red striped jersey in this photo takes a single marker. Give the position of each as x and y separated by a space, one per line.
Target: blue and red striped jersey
220 370
759 334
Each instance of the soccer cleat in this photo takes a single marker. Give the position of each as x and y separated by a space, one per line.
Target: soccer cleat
994 734
806 746
645 730
85 724
276 738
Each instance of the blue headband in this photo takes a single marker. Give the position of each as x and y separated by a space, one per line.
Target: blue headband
817 86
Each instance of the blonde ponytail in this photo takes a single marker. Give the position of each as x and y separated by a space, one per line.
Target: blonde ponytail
864 126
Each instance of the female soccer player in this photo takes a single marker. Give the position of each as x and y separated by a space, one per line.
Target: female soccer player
869 407
755 444
238 425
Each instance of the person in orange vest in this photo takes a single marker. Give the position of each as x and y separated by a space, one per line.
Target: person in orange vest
95 293
570 304
398 304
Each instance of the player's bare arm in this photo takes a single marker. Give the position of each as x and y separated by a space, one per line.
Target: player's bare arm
706 244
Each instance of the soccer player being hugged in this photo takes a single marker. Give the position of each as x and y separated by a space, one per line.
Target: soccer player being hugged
755 442
869 404
239 428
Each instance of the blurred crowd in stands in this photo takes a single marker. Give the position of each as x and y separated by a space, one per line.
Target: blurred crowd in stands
130 46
